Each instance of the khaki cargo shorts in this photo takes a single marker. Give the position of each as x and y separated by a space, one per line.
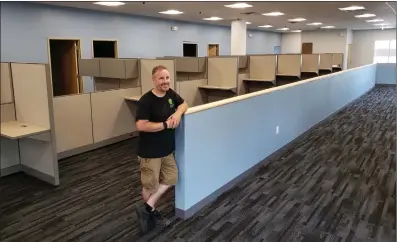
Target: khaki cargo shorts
155 171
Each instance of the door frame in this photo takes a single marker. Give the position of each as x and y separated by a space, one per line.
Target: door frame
80 84
192 42
116 46
217 44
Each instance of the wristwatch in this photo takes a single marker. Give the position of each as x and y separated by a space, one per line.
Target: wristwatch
165 125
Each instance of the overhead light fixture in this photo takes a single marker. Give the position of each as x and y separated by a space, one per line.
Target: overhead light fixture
265 26
352 8
297 19
328 27
296 31
248 23
381 24
110 4
316 23
273 14
374 20
365 15
238 5
171 12
213 18
283 29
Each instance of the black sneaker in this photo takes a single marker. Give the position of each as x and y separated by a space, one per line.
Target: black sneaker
145 219
160 219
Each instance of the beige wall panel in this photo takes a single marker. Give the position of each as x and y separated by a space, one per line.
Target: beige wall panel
289 64
7 112
263 67
73 124
89 67
187 64
30 94
240 84
337 59
222 71
190 92
326 61
147 65
112 116
6 84
310 62
105 84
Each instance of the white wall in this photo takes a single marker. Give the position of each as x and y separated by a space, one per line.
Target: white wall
291 43
326 41
364 42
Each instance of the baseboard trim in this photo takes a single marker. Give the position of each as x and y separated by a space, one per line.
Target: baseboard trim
384 84
10 170
90 147
185 214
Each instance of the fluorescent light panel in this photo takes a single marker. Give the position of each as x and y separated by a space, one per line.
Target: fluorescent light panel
265 26
352 8
110 4
248 23
238 5
374 20
328 27
273 14
315 23
296 31
381 24
365 15
171 12
213 18
283 29
297 19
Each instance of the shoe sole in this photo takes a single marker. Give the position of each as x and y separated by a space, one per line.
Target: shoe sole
141 220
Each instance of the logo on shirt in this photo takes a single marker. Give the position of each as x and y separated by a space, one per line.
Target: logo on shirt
171 103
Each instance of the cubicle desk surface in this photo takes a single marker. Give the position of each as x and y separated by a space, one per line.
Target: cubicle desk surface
323 72
308 75
283 79
18 130
133 98
259 80
256 84
209 87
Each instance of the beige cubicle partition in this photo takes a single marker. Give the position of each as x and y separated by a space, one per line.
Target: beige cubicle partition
110 73
262 72
311 63
326 61
289 65
337 60
27 132
222 78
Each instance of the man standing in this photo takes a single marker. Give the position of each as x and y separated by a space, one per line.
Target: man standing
159 113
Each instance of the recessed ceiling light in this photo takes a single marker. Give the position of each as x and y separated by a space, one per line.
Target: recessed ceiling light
316 23
297 19
213 18
365 15
273 14
374 20
248 23
110 4
352 8
265 26
283 29
296 31
238 5
171 12
328 27
381 24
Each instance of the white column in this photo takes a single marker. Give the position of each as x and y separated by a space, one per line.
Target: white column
239 38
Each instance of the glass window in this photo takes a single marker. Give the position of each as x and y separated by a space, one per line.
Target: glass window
385 51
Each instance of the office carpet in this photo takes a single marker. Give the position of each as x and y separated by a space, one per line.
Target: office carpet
336 184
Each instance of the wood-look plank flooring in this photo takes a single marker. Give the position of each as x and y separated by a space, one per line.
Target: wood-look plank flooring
336 184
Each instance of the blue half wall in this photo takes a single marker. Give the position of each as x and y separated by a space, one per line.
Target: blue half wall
386 73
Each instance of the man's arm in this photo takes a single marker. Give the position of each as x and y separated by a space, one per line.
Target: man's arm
146 126
142 119
182 108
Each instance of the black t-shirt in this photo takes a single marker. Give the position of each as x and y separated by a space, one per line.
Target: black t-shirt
157 109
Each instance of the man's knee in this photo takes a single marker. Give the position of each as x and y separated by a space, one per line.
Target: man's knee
169 171
150 170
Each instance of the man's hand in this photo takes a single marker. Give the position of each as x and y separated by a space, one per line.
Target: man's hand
173 120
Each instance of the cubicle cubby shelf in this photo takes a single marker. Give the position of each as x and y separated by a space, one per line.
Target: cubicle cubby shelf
109 68
261 72
27 130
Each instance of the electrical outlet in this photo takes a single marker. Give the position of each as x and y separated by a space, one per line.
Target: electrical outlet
277 129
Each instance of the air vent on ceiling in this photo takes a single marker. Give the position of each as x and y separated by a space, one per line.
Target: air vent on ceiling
249 13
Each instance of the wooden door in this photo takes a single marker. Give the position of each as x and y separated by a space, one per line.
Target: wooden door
71 83
307 48
349 57
213 50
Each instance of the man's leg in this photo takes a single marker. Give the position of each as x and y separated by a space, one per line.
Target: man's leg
168 178
150 172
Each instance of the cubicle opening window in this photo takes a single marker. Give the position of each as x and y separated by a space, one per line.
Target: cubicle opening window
385 51
64 55
190 49
104 49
